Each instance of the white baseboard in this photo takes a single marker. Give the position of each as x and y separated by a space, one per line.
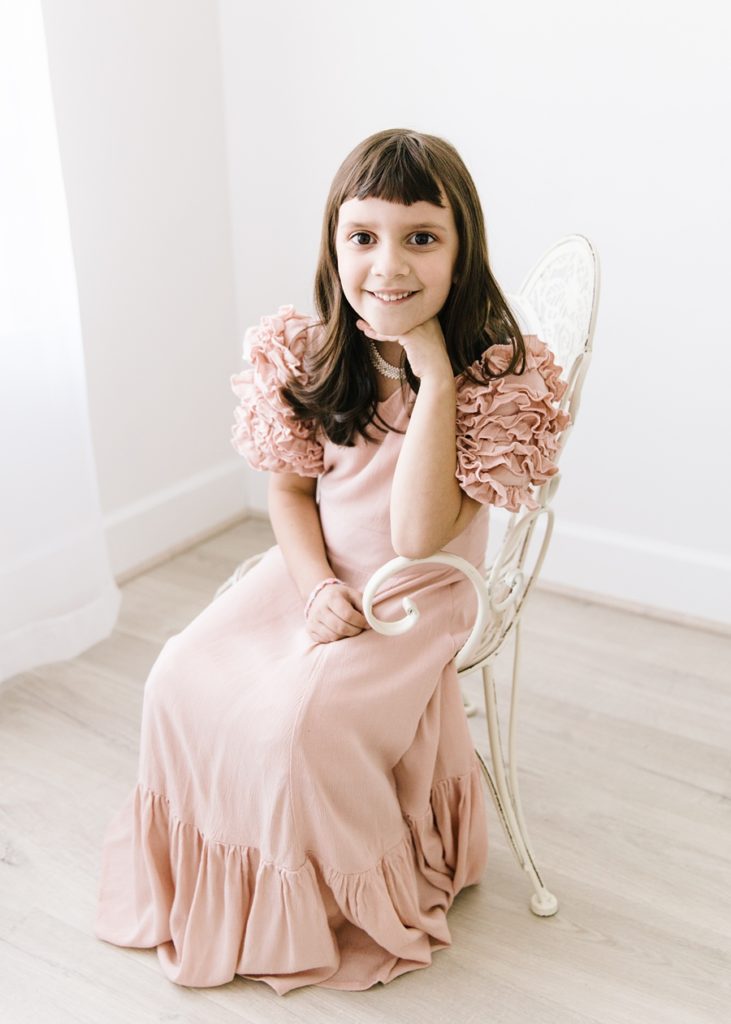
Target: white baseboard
147 532
633 572
636 572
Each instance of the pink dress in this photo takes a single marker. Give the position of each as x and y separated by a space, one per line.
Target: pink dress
304 813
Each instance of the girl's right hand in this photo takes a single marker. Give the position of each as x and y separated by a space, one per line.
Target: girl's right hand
336 612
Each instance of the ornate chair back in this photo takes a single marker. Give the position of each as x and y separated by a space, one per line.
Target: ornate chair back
558 300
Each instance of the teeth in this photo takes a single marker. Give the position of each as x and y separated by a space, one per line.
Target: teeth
391 298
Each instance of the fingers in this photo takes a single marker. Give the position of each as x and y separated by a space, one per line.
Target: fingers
354 613
336 614
329 627
375 335
321 634
345 608
333 620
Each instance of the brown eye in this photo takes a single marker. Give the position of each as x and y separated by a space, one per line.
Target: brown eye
359 234
424 234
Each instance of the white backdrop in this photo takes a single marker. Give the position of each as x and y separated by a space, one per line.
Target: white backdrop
57 594
602 119
189 132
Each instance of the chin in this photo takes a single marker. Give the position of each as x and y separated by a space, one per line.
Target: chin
386 320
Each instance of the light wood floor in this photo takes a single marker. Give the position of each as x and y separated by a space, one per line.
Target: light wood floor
625 769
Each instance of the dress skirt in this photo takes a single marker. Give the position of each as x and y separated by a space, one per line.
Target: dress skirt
304 813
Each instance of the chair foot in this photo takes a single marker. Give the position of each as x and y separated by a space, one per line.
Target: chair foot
469 708
504 791
544 903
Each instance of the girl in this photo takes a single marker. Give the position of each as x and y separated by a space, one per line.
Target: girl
309 802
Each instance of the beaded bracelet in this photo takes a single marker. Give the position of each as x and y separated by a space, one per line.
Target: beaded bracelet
316 590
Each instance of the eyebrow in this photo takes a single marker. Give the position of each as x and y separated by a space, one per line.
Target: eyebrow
350 225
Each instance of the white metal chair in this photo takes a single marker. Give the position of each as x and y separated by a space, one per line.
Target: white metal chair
559 300
560 295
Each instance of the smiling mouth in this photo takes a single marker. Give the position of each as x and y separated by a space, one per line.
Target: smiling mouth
392 300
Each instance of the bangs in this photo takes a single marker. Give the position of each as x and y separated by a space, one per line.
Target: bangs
399 172
398 165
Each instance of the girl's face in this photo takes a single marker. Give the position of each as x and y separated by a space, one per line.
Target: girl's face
388 249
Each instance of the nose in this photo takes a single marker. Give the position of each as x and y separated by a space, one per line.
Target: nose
389 261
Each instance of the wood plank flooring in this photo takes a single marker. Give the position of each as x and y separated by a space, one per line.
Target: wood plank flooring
625 770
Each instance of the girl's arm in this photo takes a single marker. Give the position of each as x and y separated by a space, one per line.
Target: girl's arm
428 507
336 611
296 524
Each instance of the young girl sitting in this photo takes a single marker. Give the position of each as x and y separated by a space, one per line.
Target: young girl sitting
309 802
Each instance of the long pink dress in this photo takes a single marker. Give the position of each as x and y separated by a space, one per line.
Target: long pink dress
305 813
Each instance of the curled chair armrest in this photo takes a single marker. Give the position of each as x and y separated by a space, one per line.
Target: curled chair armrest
397 565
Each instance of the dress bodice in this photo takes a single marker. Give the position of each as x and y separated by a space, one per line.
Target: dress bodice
354 495
508 427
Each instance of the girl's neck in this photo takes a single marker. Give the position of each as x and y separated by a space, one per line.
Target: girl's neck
387 387
392 352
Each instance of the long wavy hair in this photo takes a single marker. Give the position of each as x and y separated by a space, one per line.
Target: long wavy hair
339 391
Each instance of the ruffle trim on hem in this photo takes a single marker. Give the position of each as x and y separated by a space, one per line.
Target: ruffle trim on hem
215 910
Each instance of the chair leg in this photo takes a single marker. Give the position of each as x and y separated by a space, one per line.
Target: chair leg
504 790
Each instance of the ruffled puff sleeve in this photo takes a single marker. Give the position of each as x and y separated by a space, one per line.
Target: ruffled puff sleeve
266 431
508 428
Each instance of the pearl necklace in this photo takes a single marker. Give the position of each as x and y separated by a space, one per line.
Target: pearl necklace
385 369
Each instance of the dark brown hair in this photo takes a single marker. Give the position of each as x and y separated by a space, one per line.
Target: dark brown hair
401 166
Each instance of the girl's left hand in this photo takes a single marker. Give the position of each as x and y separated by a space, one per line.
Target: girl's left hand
425 347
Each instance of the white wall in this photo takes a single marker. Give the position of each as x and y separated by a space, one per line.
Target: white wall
572 117
137 90
601 119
